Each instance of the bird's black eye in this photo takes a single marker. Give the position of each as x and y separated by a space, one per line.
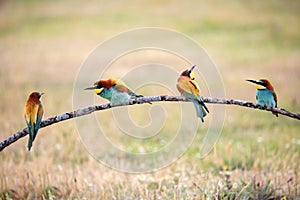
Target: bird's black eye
96 85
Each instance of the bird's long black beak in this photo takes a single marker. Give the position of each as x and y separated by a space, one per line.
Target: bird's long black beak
192 68
42 93
252 81
90 88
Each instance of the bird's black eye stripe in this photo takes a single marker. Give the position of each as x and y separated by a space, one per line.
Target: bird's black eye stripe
262 84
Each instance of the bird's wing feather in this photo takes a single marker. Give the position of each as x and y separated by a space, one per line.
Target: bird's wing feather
121 88
200 100
27 119
34 113
275 98
30 126
39 117
31 116
27 112
189 86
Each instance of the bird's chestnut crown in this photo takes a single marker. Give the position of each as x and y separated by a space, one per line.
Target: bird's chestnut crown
189 73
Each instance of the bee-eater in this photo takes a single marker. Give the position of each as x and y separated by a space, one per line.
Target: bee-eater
265 94
113 90
33 113
188 88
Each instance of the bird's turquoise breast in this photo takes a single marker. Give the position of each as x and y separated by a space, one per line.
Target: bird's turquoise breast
265 98
106 93
115 97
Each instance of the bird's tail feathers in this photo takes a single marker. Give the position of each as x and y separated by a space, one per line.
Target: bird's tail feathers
203 104
32 134
200 110
29 145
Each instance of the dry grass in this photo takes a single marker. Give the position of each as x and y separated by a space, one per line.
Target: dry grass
42 45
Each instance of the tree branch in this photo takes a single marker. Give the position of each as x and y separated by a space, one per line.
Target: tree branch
88 110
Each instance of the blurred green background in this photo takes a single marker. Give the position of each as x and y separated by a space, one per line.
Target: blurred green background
43 43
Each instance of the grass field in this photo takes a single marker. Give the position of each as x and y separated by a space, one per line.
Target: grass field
42 45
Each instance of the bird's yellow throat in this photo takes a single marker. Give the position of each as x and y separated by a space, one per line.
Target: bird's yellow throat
98 91
192 75
260 87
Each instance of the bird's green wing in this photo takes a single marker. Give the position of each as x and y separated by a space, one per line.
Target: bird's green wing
275 98
39 117
27 122
31 129
120 87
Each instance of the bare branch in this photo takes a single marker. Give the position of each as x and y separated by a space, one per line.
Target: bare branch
88 110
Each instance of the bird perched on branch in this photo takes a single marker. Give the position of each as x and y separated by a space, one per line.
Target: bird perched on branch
113 90
265 94
188 88
33 113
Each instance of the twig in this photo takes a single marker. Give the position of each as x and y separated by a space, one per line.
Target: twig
85 111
